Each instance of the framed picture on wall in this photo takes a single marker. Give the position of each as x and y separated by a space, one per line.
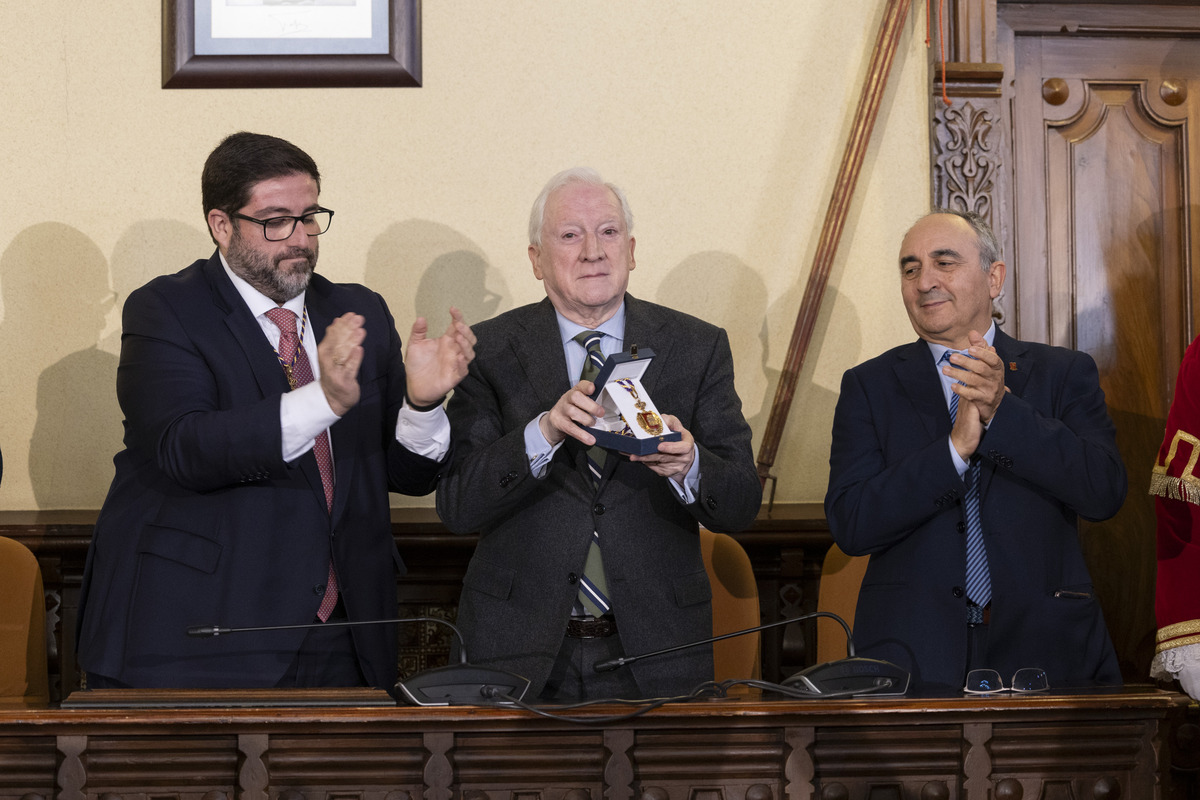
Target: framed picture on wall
231 44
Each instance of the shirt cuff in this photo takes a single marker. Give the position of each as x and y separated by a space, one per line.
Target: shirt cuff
303 414
539 451
426 433
959 464
691 481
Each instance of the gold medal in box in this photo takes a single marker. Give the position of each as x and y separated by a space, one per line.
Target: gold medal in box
631 423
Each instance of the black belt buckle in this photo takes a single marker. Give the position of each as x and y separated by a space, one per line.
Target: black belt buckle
591 627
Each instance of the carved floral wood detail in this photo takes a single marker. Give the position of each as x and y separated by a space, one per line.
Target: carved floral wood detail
967 157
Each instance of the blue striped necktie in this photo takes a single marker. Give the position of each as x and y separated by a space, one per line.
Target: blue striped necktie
979 581
593 588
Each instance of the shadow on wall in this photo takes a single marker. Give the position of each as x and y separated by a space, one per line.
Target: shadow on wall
422 268
718 287
146 250
56 282
56 299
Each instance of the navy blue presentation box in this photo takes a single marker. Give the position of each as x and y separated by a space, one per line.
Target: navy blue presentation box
633 365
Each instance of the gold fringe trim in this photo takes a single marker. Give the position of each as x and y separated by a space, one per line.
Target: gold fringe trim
1175 488
1187 486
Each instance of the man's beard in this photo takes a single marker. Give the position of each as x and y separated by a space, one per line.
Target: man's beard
264 273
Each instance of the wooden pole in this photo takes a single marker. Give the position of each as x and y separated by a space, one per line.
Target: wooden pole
895 15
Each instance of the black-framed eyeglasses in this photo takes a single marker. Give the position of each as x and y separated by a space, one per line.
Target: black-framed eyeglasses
276 229
988 681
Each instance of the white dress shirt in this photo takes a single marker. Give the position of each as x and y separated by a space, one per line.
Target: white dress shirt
304 412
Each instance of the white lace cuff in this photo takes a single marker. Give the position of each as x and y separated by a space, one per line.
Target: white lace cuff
1169 663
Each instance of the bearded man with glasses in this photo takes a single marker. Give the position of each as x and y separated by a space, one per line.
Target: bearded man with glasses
268 412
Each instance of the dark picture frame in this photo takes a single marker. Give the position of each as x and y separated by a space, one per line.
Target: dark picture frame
182 68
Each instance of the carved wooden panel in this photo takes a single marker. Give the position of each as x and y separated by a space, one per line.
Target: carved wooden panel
119 764
1105 140
184 746
967 156
384 764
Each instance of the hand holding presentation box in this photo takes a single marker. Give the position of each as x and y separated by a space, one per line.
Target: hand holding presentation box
631 423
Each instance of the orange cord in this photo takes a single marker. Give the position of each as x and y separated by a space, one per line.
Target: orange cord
941 39
942 42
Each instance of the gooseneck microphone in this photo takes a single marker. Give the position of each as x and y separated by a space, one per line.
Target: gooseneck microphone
844 676
615 663
454 684
216 630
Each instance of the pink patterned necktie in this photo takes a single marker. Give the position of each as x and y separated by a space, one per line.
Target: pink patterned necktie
299 373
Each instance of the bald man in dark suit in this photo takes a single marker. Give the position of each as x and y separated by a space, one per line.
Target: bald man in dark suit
967 405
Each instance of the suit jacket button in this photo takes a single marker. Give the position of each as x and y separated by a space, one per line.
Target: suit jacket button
957 591
572 578
598 509
711 502
319 589
961 527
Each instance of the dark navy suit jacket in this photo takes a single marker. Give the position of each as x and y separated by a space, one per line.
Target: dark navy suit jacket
206 524
1049 456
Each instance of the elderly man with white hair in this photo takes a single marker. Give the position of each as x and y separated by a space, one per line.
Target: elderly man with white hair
587 554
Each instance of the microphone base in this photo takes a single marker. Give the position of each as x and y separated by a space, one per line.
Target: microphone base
854 675
458 685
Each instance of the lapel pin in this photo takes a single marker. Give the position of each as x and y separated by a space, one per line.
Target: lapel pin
1012 366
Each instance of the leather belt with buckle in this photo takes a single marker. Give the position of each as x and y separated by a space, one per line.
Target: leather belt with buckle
591 627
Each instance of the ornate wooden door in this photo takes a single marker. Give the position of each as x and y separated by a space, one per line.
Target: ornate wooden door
1103 239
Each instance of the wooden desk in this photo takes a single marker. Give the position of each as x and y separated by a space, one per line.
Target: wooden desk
264 745
785 545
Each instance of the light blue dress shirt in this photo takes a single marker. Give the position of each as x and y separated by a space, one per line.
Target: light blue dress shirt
938 350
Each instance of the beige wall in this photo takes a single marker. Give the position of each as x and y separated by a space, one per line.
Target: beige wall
724 122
